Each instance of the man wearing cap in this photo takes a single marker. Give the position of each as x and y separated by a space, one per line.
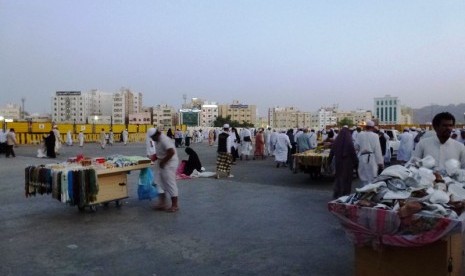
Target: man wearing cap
167 163
370 157
440 146
246 143
224 159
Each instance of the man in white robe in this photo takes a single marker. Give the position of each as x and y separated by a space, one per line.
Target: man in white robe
69 138
246 143
81 139
58 139
125 136
281 148
404 153
441 147
273 140
370 157
267 135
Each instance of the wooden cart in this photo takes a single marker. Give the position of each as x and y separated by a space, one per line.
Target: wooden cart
311 162
113 185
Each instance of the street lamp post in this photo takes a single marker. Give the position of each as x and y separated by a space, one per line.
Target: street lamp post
94 121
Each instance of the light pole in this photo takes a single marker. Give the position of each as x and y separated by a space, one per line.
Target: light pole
6 122
94 121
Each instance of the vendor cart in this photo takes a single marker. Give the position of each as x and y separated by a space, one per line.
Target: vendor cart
312 162
113 185
81 185
386 244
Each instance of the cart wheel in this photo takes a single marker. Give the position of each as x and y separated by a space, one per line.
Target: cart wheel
118 203
93 208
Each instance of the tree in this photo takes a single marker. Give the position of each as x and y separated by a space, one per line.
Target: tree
345 122
220 121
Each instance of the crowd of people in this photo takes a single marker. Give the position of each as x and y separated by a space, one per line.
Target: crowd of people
352 151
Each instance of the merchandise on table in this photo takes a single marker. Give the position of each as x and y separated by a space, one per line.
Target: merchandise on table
408 205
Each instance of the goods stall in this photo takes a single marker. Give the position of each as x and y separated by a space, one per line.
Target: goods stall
84 182
313 162
407 221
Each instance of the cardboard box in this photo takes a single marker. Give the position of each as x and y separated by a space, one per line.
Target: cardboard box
430 260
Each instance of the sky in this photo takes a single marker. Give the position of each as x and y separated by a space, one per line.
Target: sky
307 54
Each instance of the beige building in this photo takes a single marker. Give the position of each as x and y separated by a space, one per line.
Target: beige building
125 102
163 116
358 117
209 114
239 112
288 117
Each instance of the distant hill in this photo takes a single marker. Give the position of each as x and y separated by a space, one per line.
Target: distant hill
425 114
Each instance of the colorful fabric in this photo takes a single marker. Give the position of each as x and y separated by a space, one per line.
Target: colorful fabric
374 227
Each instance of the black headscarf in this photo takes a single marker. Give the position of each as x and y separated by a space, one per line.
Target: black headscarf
193 162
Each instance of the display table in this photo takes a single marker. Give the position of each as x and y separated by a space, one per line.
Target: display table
312 162
386 244
82 186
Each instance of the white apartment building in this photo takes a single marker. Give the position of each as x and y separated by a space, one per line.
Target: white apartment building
209 114
387 110
11 111
68 106
99 103
323 118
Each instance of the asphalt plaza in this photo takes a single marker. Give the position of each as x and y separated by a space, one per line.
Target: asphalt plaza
264 221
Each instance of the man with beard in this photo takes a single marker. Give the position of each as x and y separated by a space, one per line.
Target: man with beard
440 146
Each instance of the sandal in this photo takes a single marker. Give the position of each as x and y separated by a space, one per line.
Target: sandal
172 209
159 207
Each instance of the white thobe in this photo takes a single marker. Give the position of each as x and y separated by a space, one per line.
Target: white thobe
281 147
369 155
405 146
451 149
81 139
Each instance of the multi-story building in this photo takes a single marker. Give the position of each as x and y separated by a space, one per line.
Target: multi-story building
358 117
239 112
125 102
99 103
387 110
142 118
69 106
324 117
209 114
288 117
163 116
11 111
406 115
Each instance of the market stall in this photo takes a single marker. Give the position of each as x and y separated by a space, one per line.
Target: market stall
84 182
408 221
313 162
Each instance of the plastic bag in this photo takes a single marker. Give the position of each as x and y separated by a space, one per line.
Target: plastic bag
146 189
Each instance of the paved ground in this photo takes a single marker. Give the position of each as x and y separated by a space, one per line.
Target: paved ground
264 221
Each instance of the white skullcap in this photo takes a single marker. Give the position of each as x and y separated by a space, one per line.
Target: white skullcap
370 123
151 131
226 126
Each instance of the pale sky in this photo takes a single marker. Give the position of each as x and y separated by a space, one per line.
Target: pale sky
306 54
